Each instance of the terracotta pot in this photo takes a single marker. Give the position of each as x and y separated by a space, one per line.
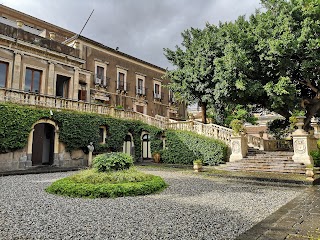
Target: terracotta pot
156 157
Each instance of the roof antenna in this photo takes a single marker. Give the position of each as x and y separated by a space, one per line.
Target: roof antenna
82 28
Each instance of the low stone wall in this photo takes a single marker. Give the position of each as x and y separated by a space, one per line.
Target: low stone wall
17 160
11 161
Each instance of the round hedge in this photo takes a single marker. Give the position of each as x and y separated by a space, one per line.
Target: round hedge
85 187
113 161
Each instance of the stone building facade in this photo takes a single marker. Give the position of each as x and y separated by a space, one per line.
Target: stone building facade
43 64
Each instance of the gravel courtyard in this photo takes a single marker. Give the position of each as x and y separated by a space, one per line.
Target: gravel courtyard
190 208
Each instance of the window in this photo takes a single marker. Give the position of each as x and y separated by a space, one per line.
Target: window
100 76
82 93
32 80
62 86
157 94
102 134
140 89
3 73
139 108
171 97
121 83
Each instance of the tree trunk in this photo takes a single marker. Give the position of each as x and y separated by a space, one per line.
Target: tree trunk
312 109
203 112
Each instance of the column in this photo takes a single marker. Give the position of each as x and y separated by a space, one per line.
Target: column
51 83
16 71
75 84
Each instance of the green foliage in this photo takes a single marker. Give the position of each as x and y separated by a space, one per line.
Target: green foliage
113 161
270 59
16 123
93 176
239 112
98 185
184 147
315 154
237 126
198 161
76 129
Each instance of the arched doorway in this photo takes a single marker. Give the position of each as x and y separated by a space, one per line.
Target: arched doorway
43 144
146 148
128 146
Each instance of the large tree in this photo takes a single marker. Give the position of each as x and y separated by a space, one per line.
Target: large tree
193 73
273 59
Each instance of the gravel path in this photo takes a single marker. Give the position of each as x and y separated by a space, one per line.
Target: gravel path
190 208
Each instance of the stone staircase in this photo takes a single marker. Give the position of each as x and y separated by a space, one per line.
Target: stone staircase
265 161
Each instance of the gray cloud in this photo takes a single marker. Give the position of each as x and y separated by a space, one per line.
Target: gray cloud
141 28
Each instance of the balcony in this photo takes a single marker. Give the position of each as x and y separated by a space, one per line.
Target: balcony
19 34
101 80
122 86
141 91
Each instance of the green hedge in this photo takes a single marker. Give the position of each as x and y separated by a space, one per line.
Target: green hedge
76 129
113 161
183 147
68 187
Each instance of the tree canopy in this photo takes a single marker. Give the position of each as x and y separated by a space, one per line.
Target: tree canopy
271 59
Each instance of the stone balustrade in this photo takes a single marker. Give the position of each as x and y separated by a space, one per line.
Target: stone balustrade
209 130
33 99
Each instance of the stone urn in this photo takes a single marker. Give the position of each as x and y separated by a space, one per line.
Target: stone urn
197 166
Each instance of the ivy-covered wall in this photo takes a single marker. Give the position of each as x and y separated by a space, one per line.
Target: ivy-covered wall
76 129
183 147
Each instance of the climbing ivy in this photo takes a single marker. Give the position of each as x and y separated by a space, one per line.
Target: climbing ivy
76 129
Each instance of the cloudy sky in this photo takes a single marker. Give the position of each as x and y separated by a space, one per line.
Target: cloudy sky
141 28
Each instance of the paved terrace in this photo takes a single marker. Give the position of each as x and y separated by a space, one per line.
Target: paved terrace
192 207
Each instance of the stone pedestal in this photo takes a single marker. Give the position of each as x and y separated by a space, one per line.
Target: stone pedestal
90 148
239 147
301 144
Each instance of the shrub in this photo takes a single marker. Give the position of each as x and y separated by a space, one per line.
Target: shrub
316 157
183 147
94 184
112 162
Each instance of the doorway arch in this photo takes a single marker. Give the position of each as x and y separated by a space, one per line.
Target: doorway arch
43 143
128 146
146 148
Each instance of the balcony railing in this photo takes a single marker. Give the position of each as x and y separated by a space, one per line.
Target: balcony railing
141 91
53 102
19 34
122 86
158 96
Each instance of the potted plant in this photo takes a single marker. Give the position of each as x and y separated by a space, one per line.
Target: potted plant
237 126
197 165
156 156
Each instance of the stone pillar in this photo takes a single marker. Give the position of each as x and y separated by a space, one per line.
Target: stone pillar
75 83
301 144
90 148
239 147
316 127
51 83
56 160
16 71
261 147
